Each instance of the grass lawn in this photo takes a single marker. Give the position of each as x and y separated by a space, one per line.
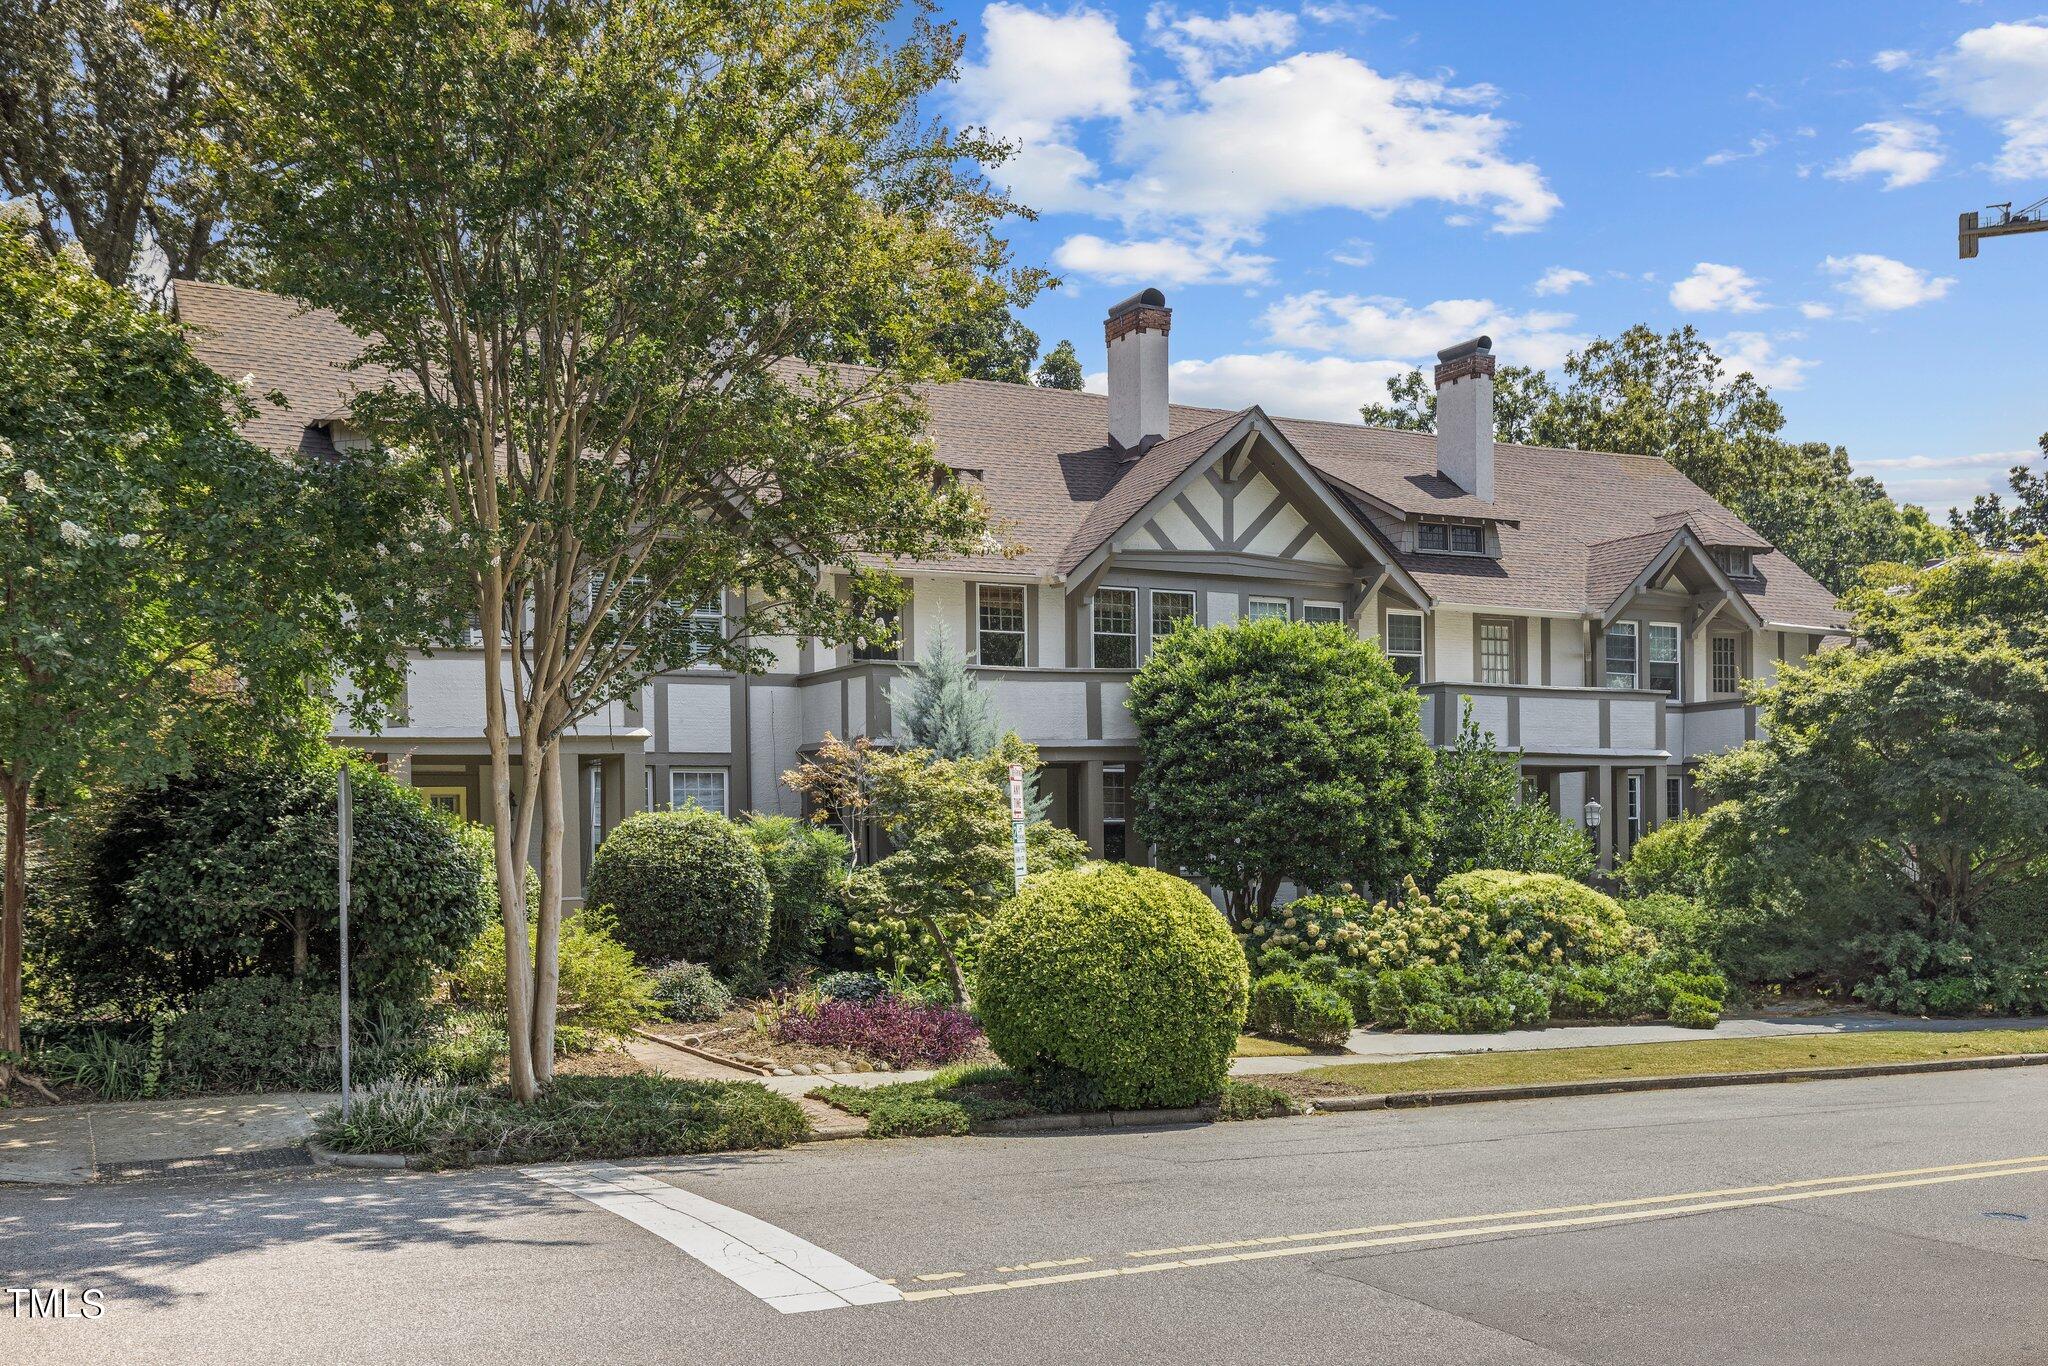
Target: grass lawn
1252 1046
960 1100
1705 1057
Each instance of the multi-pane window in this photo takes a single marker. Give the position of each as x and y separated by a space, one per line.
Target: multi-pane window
703 623
1734 560
1496 652
704 787
1269 607
1403 643
1620 650
1434 536
1727 666
1323 613
1116 811
1170 611
1635 807
1465 540
999 625
1664 658
596 781
1116 628
1674 798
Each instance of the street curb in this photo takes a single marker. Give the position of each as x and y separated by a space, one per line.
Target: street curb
1099 1119
1411 1100
383 1162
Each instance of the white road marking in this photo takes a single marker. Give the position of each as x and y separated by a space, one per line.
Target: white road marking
770 1263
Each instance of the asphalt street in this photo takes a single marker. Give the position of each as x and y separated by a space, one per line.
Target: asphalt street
1887 1220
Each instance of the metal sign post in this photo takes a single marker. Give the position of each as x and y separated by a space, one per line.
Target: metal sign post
345 844
1017 823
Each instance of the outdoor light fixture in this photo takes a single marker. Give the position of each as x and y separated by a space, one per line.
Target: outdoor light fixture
1593 815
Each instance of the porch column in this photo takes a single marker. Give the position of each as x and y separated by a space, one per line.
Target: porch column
1088 805
1600 784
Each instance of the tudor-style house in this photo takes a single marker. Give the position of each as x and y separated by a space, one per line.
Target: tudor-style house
1599 612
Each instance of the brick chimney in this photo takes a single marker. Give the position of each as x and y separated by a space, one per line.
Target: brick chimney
1136 332
1464 416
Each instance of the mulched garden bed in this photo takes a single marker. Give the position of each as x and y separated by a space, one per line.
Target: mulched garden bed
738 1034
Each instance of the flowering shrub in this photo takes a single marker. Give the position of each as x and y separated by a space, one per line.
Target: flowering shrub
1535 920
892 1030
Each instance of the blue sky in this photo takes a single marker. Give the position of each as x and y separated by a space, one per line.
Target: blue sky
1330 191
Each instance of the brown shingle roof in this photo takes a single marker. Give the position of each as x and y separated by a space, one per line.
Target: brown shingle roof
1055 483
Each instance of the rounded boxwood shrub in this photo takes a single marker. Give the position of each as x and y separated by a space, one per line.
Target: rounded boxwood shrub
683 884
687 992
1286 1006
1120 983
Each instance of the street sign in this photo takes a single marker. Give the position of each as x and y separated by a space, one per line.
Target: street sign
1017 824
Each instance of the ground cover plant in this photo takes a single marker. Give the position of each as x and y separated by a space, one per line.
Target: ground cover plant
574 1117
960 1100
900 1031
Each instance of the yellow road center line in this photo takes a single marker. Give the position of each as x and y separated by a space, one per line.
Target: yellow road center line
1445 1234
1280 1238
942 1275
1047 1266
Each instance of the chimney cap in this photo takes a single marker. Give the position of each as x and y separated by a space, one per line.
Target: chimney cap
1481 345
1144 298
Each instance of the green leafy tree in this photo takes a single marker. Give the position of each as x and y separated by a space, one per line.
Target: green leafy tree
160 578
2007 591
1993 525
1520 394
950 865
940 708
1900 787
1483 820
99 123
597 244
1279 752
1060 368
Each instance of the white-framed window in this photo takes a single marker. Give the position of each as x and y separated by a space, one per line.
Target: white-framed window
706 625
999 624
1323 613
1458 540
650 787
596 783
1635 807
1726 662
1171 610
890 620
1115 628
1666 665
1496 652
1403 643
1280 608
1735 561
1621 658
1674 798
449 801
703 787
1116 812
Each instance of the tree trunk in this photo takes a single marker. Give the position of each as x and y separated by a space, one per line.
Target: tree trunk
953 972
13 893
547 974
511 858
298 946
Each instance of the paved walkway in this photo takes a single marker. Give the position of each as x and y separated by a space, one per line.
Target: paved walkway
1371 1045
70 1145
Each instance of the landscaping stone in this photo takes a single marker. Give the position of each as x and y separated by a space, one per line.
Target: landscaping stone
802 1069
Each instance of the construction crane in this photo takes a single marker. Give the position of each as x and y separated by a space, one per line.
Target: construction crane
2006 223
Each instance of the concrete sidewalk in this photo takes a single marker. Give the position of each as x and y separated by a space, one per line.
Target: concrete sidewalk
1372 1045
69 1145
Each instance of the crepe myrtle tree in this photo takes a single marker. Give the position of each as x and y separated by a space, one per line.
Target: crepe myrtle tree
602 247
161 578
1276 752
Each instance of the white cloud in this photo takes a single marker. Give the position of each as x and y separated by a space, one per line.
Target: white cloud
1559 279
1373 325
1341 12
1285 385
1159 261
1356 251
1882 284
2000 72
1814 308
1758 145
1759 354
1940 482
1715 288
1216 157
1903 151
1040 74
1891 59
1201 43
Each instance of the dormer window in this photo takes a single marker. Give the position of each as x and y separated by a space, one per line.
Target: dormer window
1736 561
1452 538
